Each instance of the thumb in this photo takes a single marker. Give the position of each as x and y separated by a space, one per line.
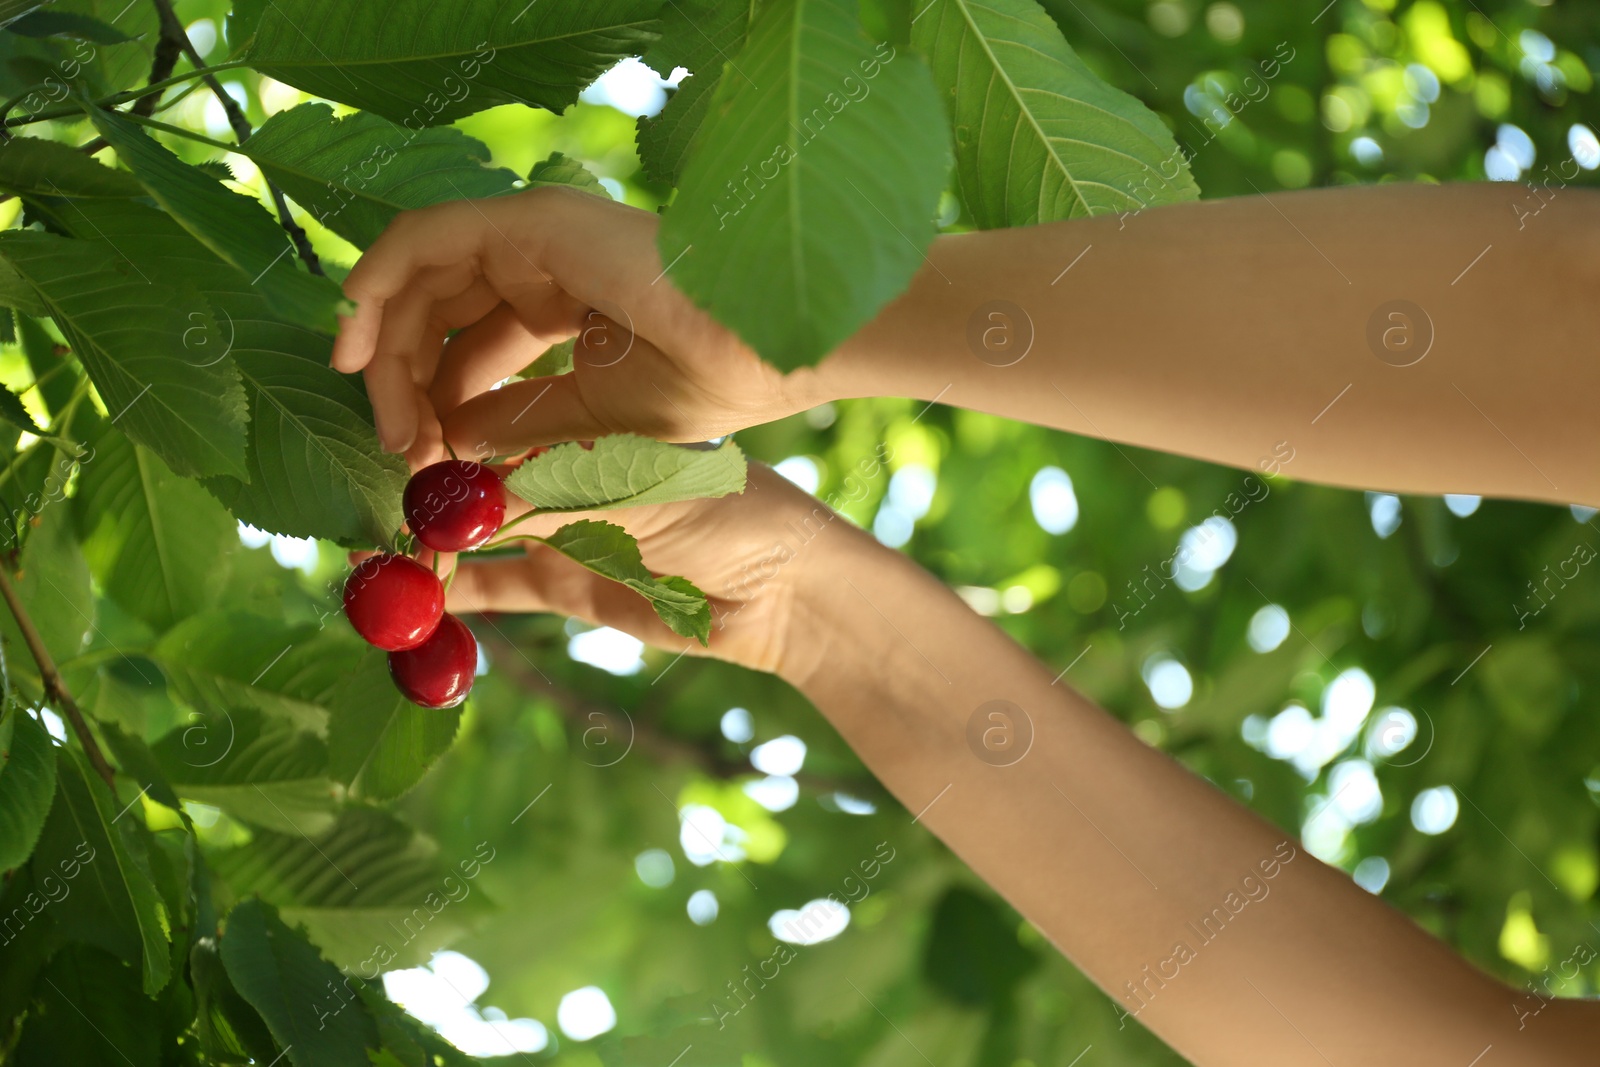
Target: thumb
547 581
630 379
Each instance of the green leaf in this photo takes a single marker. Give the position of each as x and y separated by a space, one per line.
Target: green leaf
98 846
12 411
309 1007
693 34
114 67
42 475
380 743
130 693
89 1010
407 1041
559 169
356 173
224 660
557 359
159 545
55 375
260 770
12 10
15 292
236 228
701 36
67 24
371 893
135 760
1039 136
36 71
423 64
888 20
807 203
27 785
315 468
610 551
52 581
217 169
129 331
28 946
230 1029
664 139
32 166
624 471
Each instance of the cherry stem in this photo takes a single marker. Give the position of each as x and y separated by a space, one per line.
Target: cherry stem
524 517
504 541
55 690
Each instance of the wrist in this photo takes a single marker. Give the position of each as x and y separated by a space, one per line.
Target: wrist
820 624
914 347
859 618
860 367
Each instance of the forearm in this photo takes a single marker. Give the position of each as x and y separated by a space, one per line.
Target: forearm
1120 855
1221 329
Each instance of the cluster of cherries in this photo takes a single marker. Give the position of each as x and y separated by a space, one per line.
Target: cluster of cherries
397 604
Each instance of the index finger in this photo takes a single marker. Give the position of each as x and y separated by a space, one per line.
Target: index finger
436 236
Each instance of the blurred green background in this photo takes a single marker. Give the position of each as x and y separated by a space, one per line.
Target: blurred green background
648 817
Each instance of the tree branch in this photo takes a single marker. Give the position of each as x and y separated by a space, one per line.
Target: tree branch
170 26
55 690
168 49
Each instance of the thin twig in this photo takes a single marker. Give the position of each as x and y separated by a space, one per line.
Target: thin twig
178 131
169 46
55 690
74 110
241 130
159 87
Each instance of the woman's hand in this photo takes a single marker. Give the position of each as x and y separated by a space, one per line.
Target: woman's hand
515 275
748 552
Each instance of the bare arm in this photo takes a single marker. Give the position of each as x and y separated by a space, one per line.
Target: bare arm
1197 917
1233 330
1411 338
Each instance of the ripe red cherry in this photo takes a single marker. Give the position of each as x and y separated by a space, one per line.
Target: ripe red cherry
438 672
393 602
455 506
